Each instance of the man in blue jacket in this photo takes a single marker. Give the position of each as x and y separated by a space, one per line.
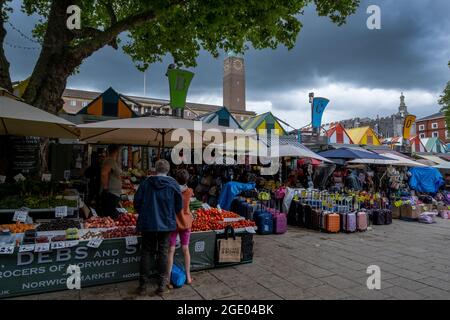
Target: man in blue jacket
157 201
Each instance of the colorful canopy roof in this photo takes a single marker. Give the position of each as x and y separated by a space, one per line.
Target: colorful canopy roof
434 145
264 121
109 104
363 135
221 117
337 134
350 153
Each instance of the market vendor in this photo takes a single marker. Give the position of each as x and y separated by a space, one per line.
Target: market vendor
111 182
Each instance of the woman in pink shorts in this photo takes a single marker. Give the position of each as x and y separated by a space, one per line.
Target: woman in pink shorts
184 224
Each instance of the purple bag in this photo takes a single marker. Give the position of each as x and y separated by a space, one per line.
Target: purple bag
348 221
445 214
279 223
425 218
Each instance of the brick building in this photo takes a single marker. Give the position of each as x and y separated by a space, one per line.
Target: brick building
433 126
233 97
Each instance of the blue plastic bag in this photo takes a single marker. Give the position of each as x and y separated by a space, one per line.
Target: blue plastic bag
177 276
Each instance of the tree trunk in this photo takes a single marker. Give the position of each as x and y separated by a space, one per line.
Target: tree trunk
52 69
5 79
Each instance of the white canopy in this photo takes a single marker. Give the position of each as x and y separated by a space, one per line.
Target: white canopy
150 131
288 150
20 119
395 160
433 158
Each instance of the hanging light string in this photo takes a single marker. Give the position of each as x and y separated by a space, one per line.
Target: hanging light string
21 33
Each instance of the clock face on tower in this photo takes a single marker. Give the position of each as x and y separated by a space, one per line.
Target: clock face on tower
237 64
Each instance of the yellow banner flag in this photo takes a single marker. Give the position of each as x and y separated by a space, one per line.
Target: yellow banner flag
409 120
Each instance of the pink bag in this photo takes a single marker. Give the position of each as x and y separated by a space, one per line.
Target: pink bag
444 214
279 223
361 221
280 193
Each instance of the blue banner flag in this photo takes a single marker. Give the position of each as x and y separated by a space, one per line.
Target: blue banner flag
319 105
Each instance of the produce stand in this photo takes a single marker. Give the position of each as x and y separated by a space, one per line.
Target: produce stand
23 273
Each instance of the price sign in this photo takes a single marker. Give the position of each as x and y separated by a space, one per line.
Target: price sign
20 216
8 249
70 244
46 177
95 243
133 179
19 177
206 206
122 210
131 241
66 174
61 212
26 248
42 247
250 229
58 245
2 179
94 212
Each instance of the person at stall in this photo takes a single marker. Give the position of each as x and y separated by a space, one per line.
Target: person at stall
93 173
111 182
184 224
157 201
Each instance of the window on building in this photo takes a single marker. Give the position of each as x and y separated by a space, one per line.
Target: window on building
84 103
422 135
237 99
242 118
435 134
188 113
421 127
434 125
73 103
446 134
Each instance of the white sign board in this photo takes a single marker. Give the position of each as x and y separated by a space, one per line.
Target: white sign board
7 249
20 216
2 179
26 248
46 177
42 247
131 241
61 212
95 243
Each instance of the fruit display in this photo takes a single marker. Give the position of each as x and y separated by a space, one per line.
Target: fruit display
42 239
72 234
126 220
213 219
35 202
59 224
58 238
119 232
17 227
195 205
128 205
99 222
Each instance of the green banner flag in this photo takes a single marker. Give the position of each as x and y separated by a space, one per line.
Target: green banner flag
179 81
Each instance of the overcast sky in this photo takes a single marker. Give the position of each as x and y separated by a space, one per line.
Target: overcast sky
361 71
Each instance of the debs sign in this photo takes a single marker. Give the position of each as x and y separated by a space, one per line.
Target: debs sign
179 81
318 107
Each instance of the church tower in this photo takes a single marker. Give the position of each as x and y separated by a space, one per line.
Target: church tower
402 109
234 82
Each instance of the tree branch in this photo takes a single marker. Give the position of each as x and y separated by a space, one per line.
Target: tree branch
105 37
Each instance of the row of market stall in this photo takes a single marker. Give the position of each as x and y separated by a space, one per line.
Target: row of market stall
47 226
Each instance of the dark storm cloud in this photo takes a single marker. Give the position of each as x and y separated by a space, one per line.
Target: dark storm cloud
409 52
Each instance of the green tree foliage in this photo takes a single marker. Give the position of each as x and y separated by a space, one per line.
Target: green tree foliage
150 30
444 101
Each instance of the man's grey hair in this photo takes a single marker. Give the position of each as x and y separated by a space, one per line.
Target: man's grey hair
162 166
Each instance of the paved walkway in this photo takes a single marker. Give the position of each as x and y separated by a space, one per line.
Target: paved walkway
302 264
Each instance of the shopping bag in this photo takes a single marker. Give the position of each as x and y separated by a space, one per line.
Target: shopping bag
177 276
229 248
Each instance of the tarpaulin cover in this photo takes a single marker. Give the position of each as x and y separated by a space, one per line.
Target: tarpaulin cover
230 190
425 179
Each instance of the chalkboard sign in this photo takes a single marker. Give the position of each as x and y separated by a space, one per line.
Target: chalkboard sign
25 154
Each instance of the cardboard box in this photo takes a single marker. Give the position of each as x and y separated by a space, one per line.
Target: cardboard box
410 212
396 212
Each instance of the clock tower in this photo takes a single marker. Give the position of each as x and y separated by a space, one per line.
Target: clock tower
234 82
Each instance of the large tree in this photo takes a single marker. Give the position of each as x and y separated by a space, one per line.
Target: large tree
444 101
151 30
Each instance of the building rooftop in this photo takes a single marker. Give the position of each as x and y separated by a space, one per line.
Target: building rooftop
433 116
90 95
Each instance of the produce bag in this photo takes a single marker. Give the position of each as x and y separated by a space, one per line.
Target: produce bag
177 276
229 248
